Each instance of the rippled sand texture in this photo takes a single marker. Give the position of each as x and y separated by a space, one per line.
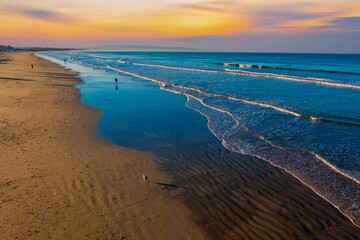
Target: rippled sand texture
58 181
238 197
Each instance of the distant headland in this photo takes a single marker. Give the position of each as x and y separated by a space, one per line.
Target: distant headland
143 48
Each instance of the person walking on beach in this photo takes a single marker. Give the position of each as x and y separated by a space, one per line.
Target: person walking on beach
32 66
116 85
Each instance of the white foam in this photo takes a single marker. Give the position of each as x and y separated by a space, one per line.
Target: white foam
327 165
219 95
333 167
97 56
319 81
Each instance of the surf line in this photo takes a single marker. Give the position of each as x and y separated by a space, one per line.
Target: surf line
227 97
97 56
319 81
239 72
324 161
235 128
230 147
218 95
256 103
237 124
248 102
244 100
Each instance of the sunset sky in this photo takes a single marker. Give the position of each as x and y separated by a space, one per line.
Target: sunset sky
243 25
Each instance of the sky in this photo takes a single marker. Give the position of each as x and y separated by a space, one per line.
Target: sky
211 25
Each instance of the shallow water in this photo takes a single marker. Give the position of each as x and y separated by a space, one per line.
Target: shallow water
300 112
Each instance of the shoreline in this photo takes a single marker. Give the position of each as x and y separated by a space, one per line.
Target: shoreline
183 161
334 220
59 180
347 179
89 179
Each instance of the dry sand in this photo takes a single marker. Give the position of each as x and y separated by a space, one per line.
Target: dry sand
58 181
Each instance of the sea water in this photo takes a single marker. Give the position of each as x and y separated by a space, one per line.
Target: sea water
300 112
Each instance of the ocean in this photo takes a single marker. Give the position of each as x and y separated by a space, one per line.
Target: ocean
299 112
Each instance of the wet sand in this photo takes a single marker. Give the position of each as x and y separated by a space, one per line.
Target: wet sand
59 181
233 196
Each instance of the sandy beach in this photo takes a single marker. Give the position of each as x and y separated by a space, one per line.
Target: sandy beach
58 181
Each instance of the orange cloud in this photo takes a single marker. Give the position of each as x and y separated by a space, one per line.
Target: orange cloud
170 23
179 18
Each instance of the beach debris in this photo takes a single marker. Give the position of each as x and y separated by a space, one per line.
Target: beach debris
145 177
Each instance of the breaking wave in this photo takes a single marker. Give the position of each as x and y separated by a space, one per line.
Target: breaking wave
239 65
320 81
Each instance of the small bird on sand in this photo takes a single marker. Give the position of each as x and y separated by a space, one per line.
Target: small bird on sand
145 177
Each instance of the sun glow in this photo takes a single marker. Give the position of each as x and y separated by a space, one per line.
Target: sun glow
152 19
